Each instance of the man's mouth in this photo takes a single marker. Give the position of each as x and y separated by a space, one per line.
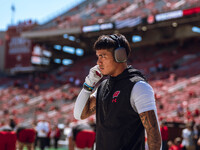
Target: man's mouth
101 68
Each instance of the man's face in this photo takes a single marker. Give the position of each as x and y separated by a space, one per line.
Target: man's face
106 62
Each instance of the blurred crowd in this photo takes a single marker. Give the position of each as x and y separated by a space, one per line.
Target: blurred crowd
102 11
42 135
189 138
31 135
81 134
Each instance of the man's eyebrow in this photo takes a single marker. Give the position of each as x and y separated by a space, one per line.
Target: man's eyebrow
100 55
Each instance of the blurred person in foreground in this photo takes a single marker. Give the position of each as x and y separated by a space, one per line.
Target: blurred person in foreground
188 137
164 134
81 137
177 143
55 135
42 133
124 103
26 137
8 137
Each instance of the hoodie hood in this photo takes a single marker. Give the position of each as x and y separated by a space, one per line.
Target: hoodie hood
129 72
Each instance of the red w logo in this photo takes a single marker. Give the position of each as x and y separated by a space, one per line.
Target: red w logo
116 94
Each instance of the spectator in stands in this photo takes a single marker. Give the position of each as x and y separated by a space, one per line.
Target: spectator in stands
170 145
172 77
176 145
26 137
188 113
196 112
198 138
42 133
188 137
71 80
82 137
164 134
12 123
55 135
36 136
124 103
77 82
180 110
48 144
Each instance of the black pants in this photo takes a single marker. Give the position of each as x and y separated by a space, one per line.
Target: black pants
56 142
43 142
164 145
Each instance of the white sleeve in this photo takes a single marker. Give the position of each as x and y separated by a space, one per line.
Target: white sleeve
80 103
142 97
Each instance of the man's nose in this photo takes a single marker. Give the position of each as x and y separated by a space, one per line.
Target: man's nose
99 62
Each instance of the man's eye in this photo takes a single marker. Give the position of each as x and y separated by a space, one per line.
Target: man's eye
101 56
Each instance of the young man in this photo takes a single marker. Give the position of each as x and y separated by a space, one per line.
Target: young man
124 103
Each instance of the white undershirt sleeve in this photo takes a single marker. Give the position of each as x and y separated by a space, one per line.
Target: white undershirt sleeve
80 103
142 97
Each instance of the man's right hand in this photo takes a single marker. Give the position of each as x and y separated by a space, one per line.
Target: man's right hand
93 77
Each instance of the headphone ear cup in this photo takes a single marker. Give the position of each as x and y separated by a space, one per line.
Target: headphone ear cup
120 55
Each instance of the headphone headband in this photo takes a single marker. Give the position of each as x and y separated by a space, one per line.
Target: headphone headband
115 38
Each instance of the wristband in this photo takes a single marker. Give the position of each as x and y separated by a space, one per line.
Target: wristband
87 87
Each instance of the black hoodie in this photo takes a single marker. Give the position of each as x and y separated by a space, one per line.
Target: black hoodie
118 126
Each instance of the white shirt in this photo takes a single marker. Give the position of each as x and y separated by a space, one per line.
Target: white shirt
187 137
42 128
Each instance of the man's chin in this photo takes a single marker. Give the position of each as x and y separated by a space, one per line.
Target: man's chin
104 74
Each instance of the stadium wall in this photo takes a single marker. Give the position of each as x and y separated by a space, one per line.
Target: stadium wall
2 50
17 52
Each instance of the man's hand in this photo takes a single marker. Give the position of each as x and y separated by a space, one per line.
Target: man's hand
93 77
84 105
